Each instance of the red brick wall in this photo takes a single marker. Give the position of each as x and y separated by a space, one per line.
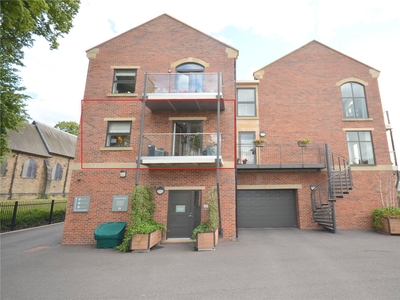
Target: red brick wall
298 98
101 185
154 47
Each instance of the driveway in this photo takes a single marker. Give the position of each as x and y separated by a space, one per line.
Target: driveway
262 264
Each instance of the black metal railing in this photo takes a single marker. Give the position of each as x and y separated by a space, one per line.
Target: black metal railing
324 195
15 215
281 154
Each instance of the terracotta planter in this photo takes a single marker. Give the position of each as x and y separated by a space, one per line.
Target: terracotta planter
144 242
391 226
206 240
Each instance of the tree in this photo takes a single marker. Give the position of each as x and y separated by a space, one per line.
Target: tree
20 22
68 126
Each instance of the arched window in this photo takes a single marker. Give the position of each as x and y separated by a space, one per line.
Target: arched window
29 169
353 98
56 173
189 81
3 169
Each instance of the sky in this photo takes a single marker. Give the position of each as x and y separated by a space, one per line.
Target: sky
262 30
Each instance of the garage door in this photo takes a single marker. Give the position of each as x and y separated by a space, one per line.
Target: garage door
266 208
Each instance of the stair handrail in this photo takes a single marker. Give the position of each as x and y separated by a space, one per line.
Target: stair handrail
342 168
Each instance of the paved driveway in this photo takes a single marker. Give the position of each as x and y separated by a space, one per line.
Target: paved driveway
262 264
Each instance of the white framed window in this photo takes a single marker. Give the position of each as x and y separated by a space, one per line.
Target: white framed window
118 134
29 169
124 81
246 102
56 173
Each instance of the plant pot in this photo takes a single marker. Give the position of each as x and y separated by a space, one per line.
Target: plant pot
302 144
391 226
260 145
206 240
144 242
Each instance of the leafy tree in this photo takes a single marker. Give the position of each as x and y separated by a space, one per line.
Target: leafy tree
68 126
20 22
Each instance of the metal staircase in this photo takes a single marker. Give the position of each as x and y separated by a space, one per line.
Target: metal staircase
324 195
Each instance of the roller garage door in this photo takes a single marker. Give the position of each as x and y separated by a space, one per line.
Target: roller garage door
266 208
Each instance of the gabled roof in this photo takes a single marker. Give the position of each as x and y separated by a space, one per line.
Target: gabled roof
42 140
27 140
176 20
57 141
313 41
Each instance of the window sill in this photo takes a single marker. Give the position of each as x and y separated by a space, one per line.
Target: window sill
357 119
116 148
248 118
123 95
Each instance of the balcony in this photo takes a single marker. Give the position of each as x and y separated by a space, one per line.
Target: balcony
184 91
280 156
192 150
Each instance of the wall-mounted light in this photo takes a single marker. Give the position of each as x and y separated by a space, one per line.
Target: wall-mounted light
122 173
313 187
160 190
262 133
169 70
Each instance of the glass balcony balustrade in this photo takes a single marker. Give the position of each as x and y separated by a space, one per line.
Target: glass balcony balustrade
184 91
180 148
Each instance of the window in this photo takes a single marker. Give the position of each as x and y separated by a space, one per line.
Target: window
3 169
29 169
353 98
360 147
246 102
124 81
118 134
189 81
56 173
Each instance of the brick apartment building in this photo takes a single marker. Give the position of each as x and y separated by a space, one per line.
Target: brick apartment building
162 107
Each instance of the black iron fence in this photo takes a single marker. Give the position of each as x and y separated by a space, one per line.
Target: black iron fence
15 215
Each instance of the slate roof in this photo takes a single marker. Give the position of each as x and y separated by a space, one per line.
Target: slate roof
42 140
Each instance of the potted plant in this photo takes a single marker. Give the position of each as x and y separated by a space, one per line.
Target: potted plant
143 232
259 142
238 161
206 234
303 142
245 160
386 219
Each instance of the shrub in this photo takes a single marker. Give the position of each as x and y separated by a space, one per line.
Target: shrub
378 214
141 220
212 221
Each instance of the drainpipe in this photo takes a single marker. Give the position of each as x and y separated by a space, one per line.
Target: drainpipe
221 231
139 159
13 177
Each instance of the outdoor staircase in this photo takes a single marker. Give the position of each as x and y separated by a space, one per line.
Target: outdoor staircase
324 195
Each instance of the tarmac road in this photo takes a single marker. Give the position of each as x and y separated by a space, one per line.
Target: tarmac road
261 264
